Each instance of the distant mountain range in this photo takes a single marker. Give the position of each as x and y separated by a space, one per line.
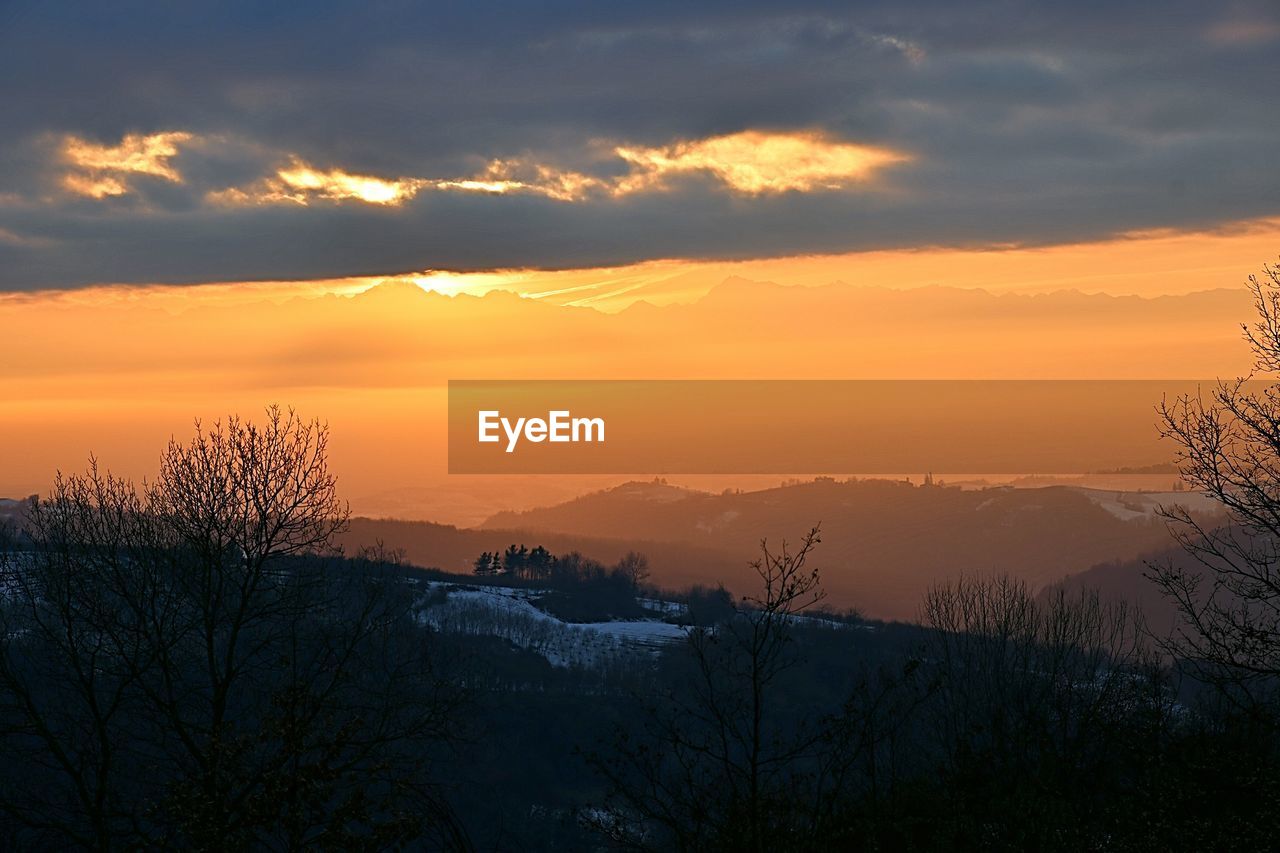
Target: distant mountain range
375 364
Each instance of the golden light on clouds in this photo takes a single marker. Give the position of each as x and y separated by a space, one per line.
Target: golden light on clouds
337 184
99 171
753 162
750 162
520 175
300 183
100 186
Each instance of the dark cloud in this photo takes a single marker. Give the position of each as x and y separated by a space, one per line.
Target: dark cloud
1029 122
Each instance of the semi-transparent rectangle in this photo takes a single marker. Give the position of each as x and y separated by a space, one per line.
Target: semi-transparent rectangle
817 426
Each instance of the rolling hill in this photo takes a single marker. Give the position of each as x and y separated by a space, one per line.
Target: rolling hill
883 542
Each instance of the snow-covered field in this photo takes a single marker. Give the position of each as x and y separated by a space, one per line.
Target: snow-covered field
1130 505
509 613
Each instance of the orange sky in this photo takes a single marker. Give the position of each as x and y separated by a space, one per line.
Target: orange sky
116 370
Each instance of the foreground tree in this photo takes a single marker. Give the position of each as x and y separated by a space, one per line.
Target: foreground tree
710 768
733 757
1228 448
1058 688
188 664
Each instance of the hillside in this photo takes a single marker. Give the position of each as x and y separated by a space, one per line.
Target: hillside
454 549
883 542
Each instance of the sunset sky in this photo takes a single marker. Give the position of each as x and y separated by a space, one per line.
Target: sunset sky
207 208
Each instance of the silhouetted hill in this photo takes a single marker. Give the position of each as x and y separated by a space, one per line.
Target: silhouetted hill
454 549
883 542
1125 580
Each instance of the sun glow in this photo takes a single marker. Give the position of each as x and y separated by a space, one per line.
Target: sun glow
473 284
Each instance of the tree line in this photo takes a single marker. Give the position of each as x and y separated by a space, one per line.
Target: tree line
539 564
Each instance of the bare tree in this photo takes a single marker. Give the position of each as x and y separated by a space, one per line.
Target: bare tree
1041 704
1021 675
1228 447
69 648
194 668
715 767
634 566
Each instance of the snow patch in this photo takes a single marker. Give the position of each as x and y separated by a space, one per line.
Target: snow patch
509 613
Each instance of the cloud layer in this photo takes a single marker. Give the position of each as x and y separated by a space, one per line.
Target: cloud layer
206 142
750 163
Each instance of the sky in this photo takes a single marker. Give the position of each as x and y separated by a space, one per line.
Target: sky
199 142
207 208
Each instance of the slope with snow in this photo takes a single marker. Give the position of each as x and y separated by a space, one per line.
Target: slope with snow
509 613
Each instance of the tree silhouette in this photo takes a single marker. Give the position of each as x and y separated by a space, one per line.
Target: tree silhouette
711 770
187 664
1228 444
